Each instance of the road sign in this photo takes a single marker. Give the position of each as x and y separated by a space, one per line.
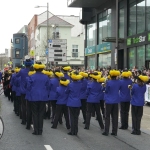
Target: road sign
58 50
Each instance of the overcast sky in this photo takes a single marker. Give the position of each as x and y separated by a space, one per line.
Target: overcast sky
14 14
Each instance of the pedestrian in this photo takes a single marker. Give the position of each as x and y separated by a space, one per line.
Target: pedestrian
111 98
137 103
125 98
94 91
74 103
61 107
38 85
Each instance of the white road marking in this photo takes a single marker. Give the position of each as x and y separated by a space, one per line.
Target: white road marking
48 147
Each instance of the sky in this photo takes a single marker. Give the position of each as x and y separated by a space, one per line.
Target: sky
14 14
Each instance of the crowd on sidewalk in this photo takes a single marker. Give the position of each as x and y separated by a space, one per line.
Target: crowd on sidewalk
39 93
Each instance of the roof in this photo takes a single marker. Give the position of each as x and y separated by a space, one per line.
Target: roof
54 20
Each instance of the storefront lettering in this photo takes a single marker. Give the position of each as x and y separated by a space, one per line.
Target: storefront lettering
89 50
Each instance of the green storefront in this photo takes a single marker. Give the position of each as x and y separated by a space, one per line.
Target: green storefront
139 51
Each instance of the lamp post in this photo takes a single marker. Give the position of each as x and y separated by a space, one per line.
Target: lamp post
47 30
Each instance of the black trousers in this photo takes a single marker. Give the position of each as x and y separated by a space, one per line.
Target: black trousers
48 112
29 114
18 103
137 113
102 106
38 109
111 109
53 103
83 108
89 113
24 108
14 99
124 111
61 109
74 115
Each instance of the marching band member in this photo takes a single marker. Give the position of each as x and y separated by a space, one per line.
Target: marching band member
54 83
93 96
74 103
23 73
61 107
83 96
111 98
137 102
38 85
65 71
125 98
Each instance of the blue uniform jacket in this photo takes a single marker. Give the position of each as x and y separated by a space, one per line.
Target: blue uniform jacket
124 90
138 93
54 83
61 96
67 76
73 90
111 95
94 91
17 85
23 73
38 85
12 82
83 89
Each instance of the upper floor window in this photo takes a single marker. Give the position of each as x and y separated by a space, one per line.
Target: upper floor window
17 53
74 50
17 41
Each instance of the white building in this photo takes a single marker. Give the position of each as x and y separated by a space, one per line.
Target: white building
61 27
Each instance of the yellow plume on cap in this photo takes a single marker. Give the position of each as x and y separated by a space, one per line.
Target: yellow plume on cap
67 68
101 80
39 66
99 73
17 69
114 73
31 73
65 83
143 78
126 74
83 74
59 74
76 77
97 77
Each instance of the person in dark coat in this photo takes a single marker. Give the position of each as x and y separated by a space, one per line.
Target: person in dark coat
112 100
125 98
137 103
61 107
74 103
38 85
94 91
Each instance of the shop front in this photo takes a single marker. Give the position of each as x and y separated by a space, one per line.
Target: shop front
139 51
90 54
104 54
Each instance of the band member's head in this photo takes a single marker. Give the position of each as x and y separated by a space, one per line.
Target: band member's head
38 67
141 80
126 74
114 74
64 81
75 76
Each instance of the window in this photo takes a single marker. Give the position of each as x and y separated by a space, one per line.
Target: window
105 60
121 19
74 50
141 57
91 33
104 25
136 22
148 52
132 57
17 41
91 62
17 53
148 15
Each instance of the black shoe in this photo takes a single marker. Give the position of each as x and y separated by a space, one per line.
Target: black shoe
104 133
70 133
133 132
35 133
87 128
54 127
115 134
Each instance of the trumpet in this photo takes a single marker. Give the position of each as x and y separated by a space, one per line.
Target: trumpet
104 84
130 86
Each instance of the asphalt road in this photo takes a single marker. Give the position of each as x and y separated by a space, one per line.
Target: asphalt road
16 137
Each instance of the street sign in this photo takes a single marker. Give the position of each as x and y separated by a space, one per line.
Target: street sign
57 50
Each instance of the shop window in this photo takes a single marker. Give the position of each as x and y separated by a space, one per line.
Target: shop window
91 33
132 57
105 60
141 57
17 40
74 50
91 62
148 15
121 19
148 52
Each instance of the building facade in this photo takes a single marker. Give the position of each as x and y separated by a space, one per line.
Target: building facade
117 32
59 28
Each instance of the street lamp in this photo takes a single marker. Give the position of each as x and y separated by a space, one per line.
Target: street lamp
47 30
